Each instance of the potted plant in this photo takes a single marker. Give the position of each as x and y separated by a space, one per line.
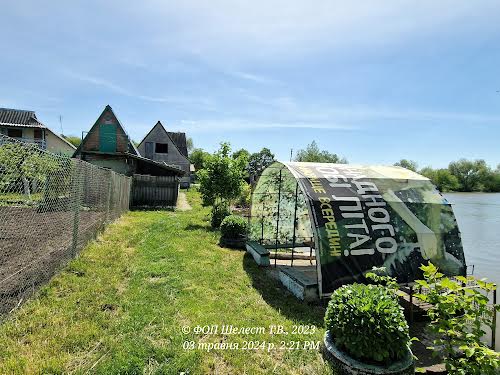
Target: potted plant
367 332
234 230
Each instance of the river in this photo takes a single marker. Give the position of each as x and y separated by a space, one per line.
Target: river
478 216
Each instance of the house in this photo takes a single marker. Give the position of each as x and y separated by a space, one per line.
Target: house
169 147
107 145
24 126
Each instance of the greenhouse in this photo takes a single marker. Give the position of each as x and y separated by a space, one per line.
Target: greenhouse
335 222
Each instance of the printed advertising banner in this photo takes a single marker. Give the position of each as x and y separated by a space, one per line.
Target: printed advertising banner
365 216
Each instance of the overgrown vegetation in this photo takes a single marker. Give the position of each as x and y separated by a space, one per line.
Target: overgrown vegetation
120 307
459 315
461 175
367 322
313 154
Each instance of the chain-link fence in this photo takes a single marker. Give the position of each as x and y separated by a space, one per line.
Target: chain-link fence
50 207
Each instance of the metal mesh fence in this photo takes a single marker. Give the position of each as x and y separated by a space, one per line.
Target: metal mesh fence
50 207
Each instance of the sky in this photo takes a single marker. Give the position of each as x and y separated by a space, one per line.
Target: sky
373 81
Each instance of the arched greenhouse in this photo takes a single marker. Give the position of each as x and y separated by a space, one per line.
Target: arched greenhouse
340 220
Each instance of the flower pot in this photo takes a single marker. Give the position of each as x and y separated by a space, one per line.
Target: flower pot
233 243
346 365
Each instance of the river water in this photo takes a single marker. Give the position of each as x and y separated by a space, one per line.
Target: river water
478 216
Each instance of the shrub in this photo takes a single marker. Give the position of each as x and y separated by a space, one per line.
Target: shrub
458 315
233 226
367 322
219 212
245 195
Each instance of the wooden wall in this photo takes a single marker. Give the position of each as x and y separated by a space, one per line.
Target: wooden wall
154 191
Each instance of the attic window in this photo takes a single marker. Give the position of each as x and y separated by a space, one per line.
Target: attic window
161 148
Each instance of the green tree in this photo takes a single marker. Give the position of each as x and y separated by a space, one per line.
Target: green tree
259 161
221 179
189 144
312 153
241 152
492 182
471 174
442 178
408 164
73 139
198 157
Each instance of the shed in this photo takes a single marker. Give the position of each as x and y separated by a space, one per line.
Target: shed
345 219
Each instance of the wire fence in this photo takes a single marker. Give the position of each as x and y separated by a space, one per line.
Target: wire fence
50 207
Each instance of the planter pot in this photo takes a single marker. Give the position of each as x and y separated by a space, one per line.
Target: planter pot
346 365
233 243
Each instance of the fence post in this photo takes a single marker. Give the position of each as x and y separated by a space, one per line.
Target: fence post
494 322
77 190
110 186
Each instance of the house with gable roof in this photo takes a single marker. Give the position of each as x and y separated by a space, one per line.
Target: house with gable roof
163 146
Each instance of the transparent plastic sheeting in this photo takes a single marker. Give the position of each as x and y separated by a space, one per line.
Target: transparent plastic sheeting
50 207
359 217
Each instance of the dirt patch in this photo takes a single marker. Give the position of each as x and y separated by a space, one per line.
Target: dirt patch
182 203
34 244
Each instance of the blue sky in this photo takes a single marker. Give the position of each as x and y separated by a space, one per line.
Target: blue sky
372 81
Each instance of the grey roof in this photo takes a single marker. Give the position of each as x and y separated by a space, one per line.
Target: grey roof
18 117
180 141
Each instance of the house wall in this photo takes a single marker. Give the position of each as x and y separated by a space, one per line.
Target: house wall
92 139
57 145
173 157
119 164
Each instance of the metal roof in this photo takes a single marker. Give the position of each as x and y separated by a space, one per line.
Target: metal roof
18 117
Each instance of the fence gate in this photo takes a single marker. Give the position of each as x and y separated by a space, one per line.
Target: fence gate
154 191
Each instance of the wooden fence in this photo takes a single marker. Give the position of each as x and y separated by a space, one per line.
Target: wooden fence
154 191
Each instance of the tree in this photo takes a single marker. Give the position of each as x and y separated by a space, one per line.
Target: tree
442 178
259 161
408 164
471 174
189 144
241 152
221 179
312 153
73 139
198 157
492 182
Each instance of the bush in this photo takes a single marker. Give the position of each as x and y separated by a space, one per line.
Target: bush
367 322
233 226
459 313
219 212
245 195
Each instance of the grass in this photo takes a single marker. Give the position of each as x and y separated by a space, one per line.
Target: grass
120 307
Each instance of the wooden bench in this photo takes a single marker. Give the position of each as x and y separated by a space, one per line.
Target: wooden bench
259 253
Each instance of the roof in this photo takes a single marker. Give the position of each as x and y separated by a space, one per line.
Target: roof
19 117
179 140
163 165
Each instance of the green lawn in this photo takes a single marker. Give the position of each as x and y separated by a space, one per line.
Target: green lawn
120 307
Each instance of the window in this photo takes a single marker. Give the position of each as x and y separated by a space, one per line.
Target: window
161 148
37 133
15 133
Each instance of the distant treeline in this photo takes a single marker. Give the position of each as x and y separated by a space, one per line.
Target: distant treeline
462 175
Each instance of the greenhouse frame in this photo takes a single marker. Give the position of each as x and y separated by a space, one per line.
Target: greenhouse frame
342 220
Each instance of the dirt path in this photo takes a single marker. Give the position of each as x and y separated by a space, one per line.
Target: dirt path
182 203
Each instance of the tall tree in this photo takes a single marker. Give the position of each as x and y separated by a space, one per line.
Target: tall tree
241 153
408 164
198 157
312 153
442 178
189 144
73 139
221 179
471 174
259 161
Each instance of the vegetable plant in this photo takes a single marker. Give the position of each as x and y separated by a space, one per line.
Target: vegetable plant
367 322
459 314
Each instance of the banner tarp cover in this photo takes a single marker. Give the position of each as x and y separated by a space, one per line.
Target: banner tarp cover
365 216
